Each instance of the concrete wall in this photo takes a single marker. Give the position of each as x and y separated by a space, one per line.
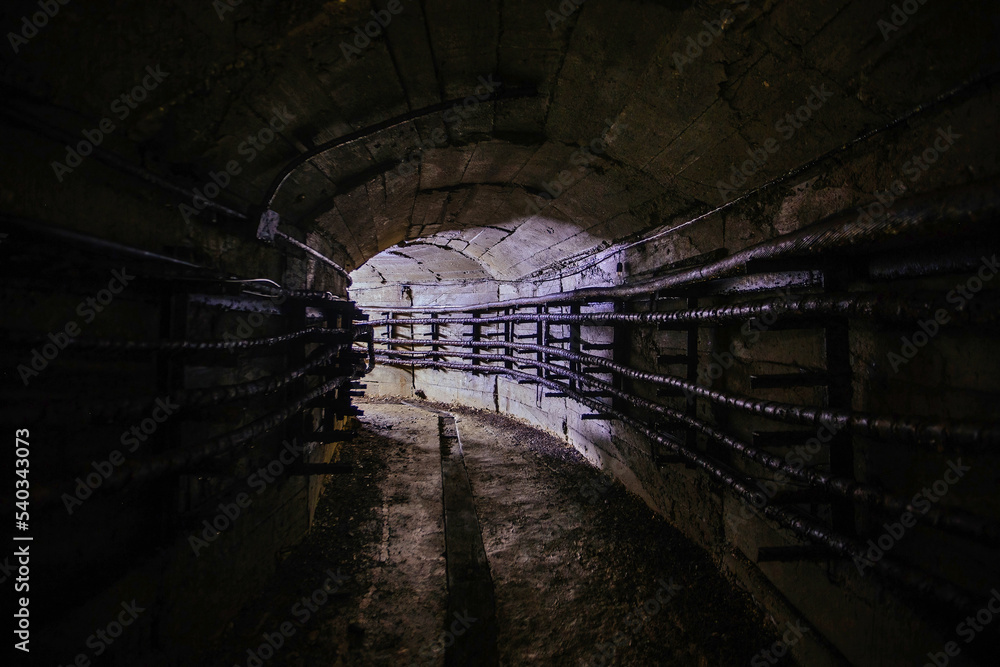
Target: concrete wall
502 191
855 618
134 545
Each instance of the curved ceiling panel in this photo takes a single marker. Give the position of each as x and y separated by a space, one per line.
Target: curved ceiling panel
401 274
631 127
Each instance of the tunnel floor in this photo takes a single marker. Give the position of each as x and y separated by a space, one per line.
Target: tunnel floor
583 572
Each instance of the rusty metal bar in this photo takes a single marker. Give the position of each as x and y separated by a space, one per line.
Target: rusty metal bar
907 307
184 458
848 489
811 530
894 428
313 334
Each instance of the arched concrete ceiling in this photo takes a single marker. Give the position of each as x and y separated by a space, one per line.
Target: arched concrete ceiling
400 275
421 264
673 118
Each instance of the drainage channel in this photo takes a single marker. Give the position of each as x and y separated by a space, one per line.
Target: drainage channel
471 623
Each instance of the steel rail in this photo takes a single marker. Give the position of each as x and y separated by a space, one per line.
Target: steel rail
982 436
275 291
321 334
121 409
849 489
181 459
202 398
884 307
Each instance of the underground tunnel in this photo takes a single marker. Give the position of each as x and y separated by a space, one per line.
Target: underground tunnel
555 332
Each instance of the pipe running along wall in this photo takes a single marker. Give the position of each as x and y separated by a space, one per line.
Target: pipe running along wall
841 243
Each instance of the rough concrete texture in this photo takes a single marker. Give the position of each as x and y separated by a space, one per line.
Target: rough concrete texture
583 572
663 127
504 203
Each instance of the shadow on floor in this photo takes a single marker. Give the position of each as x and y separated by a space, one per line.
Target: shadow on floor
584 573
